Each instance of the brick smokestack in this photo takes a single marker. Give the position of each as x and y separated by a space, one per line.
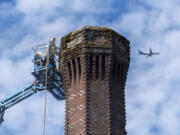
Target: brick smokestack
94 63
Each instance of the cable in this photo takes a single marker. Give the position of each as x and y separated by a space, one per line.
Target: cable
45 95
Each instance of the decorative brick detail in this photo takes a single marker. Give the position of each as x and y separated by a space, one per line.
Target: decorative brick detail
94 64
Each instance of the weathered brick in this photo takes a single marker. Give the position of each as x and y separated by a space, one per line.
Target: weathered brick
94 64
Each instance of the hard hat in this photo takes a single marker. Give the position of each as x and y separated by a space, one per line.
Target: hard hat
39 54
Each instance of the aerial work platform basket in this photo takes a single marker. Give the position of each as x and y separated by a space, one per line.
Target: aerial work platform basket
47 77
48 53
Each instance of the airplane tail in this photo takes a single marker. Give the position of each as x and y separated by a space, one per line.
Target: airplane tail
139 52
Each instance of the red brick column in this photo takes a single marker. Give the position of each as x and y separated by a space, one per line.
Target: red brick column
94 85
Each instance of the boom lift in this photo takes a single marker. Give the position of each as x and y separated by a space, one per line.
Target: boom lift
45 58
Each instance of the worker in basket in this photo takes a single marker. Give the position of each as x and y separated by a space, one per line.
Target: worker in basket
38 58
52 52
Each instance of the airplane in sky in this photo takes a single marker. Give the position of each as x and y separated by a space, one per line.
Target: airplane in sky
150 54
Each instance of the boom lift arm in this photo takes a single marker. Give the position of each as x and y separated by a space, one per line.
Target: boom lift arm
18 97
54 86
